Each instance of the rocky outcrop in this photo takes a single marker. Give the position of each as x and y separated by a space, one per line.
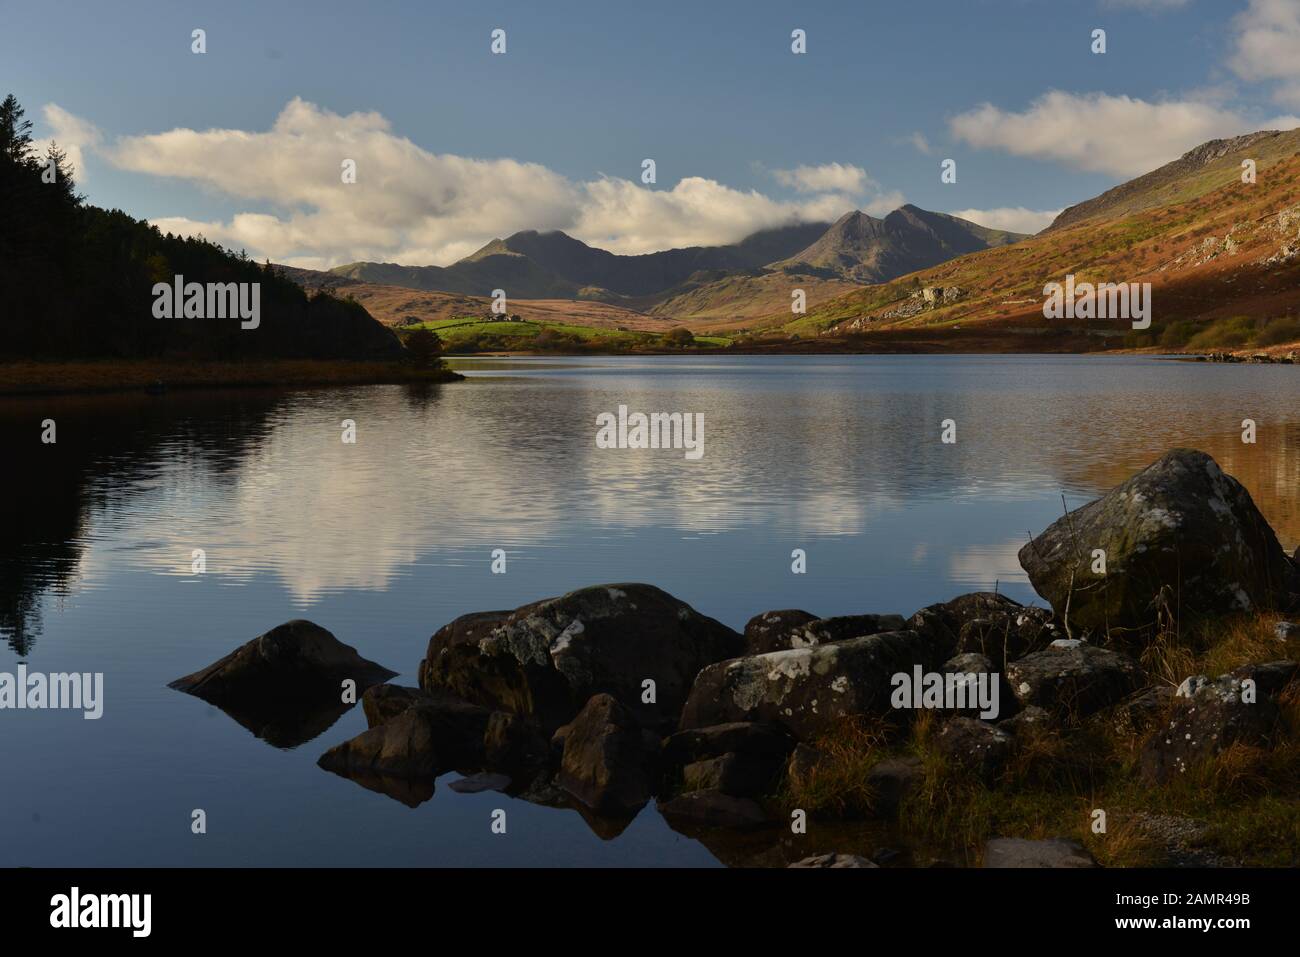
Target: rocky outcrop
608 763
286 686
1211 715
807 690
1073 678
1180 538
546 659
1054 852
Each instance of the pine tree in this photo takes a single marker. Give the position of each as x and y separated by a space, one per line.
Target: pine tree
15 132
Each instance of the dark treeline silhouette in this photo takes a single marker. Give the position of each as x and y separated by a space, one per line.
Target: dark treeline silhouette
77 281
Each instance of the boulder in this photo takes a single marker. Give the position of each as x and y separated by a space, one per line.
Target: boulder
1139 711
944 621
1072 678
286 686
754 739
546 659
1018 852
732 773
1005 635
705 809
807 690
834 860
973 664
823 630
1286 630
1181 539
975 746
770 631
1026 721
1209 715
607 763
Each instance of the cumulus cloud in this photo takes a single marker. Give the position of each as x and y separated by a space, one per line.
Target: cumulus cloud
1097 132
1267 46
1017 219
74 135
830 177
414 206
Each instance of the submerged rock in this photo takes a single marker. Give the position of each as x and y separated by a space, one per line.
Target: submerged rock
286 686
1018 852
546 659
403 747
806 690
608 763
1181 538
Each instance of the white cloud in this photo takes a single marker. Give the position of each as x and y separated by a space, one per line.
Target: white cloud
918 140
414 206
74 135
830 177
1120 135
1267 46
1018 219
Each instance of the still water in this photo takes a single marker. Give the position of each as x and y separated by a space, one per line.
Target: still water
385 540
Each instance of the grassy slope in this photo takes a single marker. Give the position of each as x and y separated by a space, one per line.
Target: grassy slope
1179 248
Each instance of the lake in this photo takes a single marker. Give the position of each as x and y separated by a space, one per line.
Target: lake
385 540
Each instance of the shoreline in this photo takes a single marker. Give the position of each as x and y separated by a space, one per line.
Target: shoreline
97 377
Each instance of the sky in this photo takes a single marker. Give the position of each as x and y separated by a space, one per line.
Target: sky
454 144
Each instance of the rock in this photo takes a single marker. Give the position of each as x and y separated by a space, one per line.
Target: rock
384 702
770 631
1005 635
807 690
1054 852
403 747
783 630
482 781
731 773
606 764
1210 715
1142 709
834 860
1180 535
1073 680
756 739
1286 630
1032 717
975 664
285 685
986 623
891 781
976 746
712 809
546 659
515 743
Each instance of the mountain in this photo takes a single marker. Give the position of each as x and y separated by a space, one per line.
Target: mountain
1222 257
554 265
864 249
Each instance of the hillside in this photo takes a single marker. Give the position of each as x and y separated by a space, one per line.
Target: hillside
1223 258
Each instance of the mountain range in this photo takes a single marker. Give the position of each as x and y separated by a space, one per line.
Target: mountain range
857 248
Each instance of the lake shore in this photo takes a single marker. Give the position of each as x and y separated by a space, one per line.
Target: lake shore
132 375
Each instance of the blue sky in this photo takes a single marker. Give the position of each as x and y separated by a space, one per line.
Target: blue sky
455 145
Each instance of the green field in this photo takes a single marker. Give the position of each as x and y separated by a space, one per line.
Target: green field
457 333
